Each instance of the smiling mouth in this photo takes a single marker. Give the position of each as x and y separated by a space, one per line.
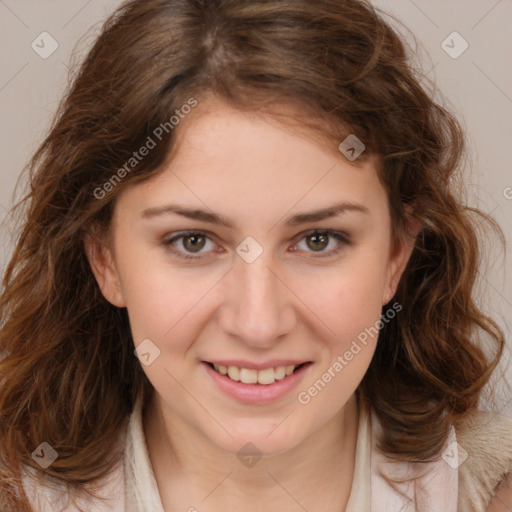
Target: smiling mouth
264 377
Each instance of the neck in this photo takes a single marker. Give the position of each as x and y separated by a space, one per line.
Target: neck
191 471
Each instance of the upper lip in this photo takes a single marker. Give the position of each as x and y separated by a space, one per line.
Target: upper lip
272 363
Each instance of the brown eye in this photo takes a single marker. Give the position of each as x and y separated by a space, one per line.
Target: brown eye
323 242
319 241
194 242
189 245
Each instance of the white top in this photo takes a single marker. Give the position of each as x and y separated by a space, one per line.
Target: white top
132 487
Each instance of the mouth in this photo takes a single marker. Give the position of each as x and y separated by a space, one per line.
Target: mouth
262 377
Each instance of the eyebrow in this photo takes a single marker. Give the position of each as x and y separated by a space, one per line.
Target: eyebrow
295 220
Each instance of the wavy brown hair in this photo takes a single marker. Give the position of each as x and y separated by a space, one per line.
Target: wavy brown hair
68 375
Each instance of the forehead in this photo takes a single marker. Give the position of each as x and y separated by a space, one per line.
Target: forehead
227 159
215 120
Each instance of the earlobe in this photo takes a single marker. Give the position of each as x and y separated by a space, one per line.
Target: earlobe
387 296
104 269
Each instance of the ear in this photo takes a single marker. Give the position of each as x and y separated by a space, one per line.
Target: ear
102 263
400 254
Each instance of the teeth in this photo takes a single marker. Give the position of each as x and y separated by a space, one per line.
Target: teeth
248 376
280 372
267 376
234 373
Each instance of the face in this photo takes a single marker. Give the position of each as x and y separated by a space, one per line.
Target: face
260 252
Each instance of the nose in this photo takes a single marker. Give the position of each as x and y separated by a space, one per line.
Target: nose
258 305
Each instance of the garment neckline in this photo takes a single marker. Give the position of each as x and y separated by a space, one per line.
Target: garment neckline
139 471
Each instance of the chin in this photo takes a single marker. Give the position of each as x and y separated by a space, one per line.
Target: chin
262 439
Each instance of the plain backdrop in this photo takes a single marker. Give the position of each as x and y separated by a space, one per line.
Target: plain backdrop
476 84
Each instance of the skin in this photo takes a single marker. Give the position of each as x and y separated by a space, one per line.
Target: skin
289 302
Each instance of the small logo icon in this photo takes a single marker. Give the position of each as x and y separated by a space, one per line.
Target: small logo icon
455 455
147 352
45 455
249 250
249 455
454 45
44 45
351 147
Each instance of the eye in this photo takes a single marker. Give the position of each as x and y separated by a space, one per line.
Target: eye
192 242
317 241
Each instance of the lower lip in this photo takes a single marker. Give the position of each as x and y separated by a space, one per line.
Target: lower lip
257 393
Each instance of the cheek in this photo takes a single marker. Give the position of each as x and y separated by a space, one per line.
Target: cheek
349 303
166 309
159 298
349 299
160 308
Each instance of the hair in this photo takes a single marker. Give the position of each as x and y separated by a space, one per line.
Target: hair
68 374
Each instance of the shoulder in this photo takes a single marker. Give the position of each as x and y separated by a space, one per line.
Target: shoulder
50 494
44 494
486 437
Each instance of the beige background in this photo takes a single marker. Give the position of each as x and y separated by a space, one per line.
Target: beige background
478 85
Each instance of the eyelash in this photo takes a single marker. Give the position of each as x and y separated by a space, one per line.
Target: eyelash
340 236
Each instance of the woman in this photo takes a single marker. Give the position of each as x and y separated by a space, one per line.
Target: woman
245 277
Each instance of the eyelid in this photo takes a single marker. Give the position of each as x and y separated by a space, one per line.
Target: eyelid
170 239
332 232
343 237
